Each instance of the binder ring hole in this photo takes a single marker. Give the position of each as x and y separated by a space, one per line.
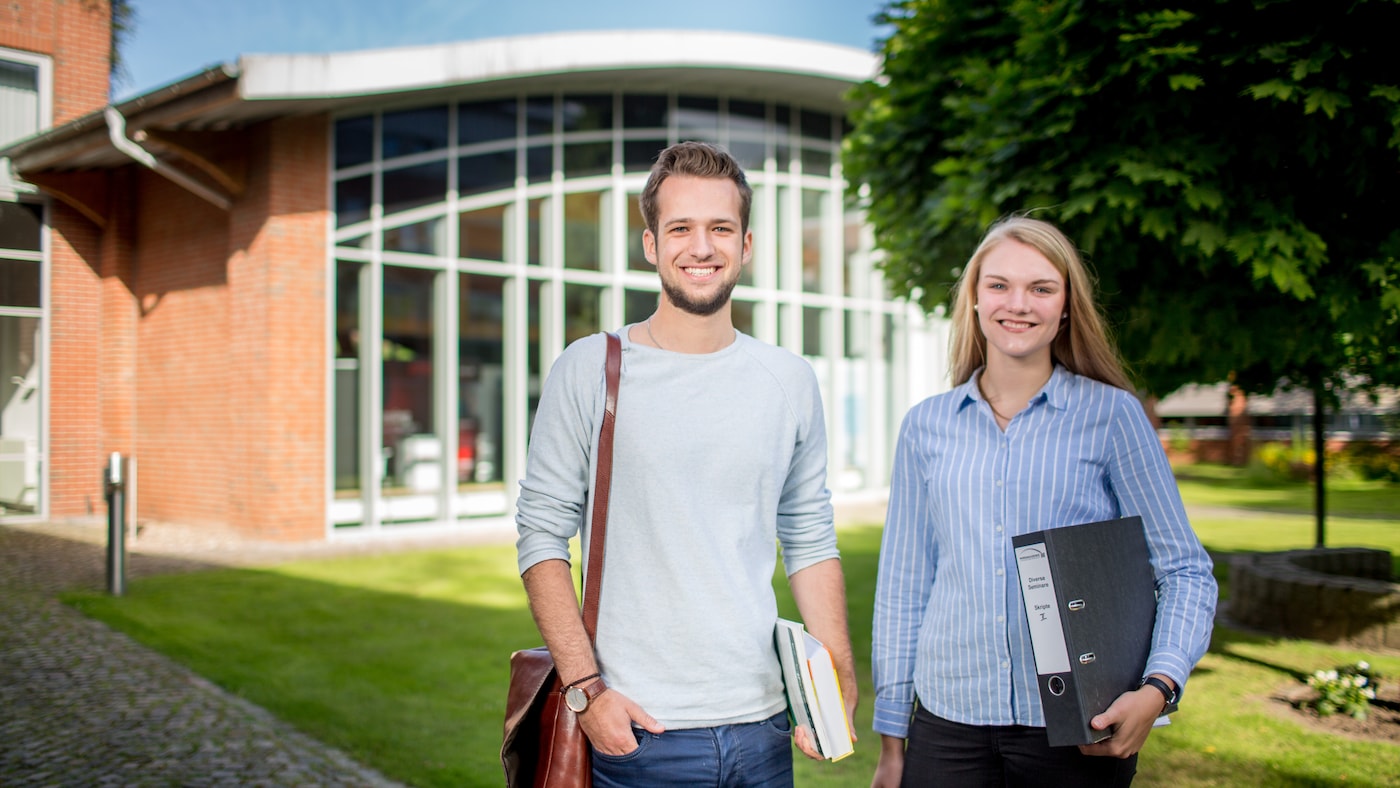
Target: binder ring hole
1056 685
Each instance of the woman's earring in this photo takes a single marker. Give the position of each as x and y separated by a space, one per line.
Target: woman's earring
1065 316
974 307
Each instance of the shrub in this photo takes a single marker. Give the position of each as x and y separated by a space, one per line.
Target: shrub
1373 461
1348 689
1283 461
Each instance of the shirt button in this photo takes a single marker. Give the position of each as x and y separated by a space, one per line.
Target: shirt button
1000 619
1001 572
998 482
1005 664
998 527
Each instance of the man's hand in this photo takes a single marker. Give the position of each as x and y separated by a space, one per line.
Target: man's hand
1133 714
608 722
806 742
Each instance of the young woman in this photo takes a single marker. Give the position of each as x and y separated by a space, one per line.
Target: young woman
1040 430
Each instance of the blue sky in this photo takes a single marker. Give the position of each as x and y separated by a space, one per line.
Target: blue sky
177 38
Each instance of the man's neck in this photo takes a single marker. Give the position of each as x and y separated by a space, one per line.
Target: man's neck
682 332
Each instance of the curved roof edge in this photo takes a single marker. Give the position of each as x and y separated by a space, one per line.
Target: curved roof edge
375 71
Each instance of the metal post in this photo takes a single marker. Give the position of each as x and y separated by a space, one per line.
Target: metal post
116 526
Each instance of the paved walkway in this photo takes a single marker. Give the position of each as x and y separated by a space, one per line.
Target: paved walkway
84 705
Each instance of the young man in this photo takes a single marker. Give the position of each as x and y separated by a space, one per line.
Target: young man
719 453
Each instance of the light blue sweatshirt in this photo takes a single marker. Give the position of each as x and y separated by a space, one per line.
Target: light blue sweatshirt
718 458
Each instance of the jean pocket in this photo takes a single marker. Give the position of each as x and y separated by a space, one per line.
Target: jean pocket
643 738
779 725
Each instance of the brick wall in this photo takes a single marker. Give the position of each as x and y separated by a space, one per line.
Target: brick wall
182 423
74 460
279 301
231 355
76 34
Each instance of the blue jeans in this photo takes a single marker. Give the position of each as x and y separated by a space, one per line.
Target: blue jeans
757 754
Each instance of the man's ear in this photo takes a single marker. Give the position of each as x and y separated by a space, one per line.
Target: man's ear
649 246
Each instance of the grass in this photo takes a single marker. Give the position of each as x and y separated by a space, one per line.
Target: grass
1222 485
400 660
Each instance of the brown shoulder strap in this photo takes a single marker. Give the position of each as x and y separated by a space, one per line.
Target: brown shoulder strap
602 486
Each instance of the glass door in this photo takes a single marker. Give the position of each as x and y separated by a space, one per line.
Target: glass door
21 361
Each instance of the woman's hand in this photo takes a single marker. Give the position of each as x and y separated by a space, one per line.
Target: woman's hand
890 769
1131 717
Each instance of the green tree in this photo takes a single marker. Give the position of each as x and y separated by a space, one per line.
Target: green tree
123 23
1231 170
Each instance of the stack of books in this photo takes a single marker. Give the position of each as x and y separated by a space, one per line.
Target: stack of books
813 689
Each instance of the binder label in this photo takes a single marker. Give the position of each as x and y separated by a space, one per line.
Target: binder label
1042 609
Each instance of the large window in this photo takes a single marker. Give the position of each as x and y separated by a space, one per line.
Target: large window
476 239
25 106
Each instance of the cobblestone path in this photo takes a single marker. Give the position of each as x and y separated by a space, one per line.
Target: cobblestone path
84 705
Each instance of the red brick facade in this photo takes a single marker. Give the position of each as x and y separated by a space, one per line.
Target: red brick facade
187 336
229 361
76 34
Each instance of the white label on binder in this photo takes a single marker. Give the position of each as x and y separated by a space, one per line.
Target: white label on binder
1042 610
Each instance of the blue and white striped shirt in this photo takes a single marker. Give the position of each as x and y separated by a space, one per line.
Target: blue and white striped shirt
949 624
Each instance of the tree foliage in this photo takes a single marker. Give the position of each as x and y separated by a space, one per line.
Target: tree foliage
123 24
1231 169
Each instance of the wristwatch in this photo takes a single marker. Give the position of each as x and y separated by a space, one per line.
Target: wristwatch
578 695
1168 693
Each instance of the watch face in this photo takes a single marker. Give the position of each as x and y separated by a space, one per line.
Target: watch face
576 699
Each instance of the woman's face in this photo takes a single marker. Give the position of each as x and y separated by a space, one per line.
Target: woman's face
1020 301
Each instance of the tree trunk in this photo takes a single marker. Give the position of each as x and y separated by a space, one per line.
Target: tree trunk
1237 420
1320 463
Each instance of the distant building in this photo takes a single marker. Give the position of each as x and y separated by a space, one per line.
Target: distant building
316 295
1197 417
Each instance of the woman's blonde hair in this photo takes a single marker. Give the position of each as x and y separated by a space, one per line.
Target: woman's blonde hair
1082 345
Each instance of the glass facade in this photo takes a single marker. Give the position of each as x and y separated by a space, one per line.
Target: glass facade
475 239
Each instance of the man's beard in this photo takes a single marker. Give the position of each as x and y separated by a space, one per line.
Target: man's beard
685 303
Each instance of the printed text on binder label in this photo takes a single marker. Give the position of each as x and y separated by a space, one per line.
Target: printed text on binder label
1042 610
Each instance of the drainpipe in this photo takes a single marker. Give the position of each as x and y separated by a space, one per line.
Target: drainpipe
116 129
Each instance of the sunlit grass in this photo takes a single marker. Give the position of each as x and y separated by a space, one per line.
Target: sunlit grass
401 659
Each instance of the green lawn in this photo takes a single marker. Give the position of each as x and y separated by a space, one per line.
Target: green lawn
400 659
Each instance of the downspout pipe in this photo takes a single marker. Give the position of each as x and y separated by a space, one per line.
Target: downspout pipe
116 130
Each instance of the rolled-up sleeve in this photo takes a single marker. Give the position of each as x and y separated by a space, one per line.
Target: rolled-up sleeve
806 528
554 493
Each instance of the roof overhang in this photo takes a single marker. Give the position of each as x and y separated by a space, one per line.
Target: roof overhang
260 87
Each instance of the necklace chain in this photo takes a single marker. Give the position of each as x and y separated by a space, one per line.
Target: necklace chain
998 413
652 336
988 400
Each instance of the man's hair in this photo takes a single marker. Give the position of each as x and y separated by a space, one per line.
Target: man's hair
1082 344
700 160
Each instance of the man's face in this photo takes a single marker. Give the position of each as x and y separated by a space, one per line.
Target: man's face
699 247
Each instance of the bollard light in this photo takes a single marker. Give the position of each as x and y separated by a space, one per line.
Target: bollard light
116 525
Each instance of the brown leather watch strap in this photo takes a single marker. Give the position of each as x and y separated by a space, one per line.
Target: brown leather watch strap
594 688
602 487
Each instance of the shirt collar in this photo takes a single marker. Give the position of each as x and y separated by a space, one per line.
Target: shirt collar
1054 393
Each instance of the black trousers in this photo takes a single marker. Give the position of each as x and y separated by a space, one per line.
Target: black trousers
945 753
